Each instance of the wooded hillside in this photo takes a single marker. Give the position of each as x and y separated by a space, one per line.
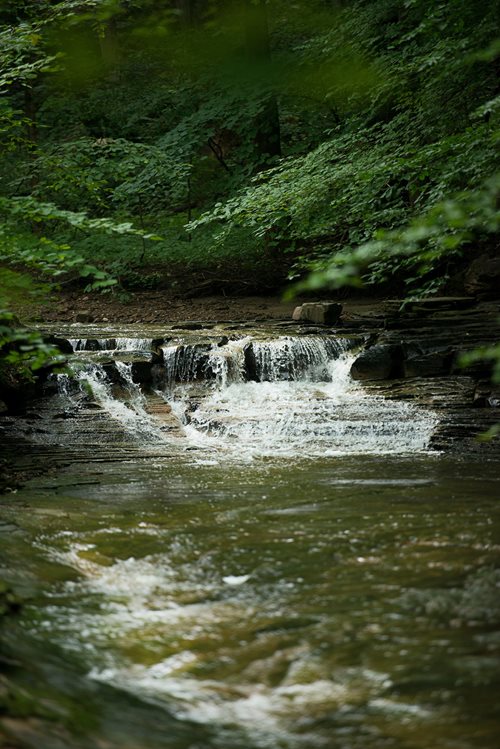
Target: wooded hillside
239 143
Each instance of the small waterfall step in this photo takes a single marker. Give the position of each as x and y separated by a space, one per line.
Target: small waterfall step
244 359
113 344
242 394
161 411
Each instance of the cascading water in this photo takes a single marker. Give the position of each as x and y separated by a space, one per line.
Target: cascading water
250 398
133 344
129 409
188 597
221 363
287 396
111 344
290 358
306 417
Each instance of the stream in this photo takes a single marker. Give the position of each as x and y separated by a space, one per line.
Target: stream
238 547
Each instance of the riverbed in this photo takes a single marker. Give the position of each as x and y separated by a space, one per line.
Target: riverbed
181 591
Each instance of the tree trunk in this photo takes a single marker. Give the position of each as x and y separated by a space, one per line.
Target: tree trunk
187 11
31 111
110 48
268 135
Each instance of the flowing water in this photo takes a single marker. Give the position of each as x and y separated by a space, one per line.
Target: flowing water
278 561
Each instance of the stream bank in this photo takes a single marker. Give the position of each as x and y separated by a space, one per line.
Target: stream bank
228 542
410 353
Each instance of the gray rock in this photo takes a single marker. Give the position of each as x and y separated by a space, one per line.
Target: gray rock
84 316
92 344
188 326
420 361
483 277
321 313
61 343
487 395
250 363
380 362
157 342
142 372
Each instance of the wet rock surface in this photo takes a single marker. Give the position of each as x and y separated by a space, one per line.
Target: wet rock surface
404 354
379 362
415 353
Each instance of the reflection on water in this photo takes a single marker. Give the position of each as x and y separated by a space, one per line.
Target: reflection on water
298 572
344 602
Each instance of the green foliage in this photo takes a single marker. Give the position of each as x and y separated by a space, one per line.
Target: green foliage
18 246
452 227
425 130
16 287
334 143
107 174
123 122
24 349
22 353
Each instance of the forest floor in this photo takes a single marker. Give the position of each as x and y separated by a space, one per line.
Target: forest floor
155 307
171 307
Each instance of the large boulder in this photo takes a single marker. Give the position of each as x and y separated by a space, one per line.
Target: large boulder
487 395
142 371
423 361
380 362
62 344
483 277
321 313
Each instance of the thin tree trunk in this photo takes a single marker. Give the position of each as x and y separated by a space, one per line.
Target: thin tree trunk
31 111
268 135
187 11
110 48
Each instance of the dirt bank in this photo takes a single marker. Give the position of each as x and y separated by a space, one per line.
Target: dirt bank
164 307
156 307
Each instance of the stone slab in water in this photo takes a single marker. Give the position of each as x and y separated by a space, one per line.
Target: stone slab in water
432 304
190 326
321 313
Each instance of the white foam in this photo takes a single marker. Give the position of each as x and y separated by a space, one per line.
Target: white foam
310 419
300 401
130 413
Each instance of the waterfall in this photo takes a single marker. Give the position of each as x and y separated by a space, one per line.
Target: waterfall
128 408
221 363
290 358
243 359
248 397
228 363
133 344
111 344
307 418
185 362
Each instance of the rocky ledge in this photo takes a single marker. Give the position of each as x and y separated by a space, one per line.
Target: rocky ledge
417 351
411 352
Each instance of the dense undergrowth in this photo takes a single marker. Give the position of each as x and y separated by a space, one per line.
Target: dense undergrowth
233 145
